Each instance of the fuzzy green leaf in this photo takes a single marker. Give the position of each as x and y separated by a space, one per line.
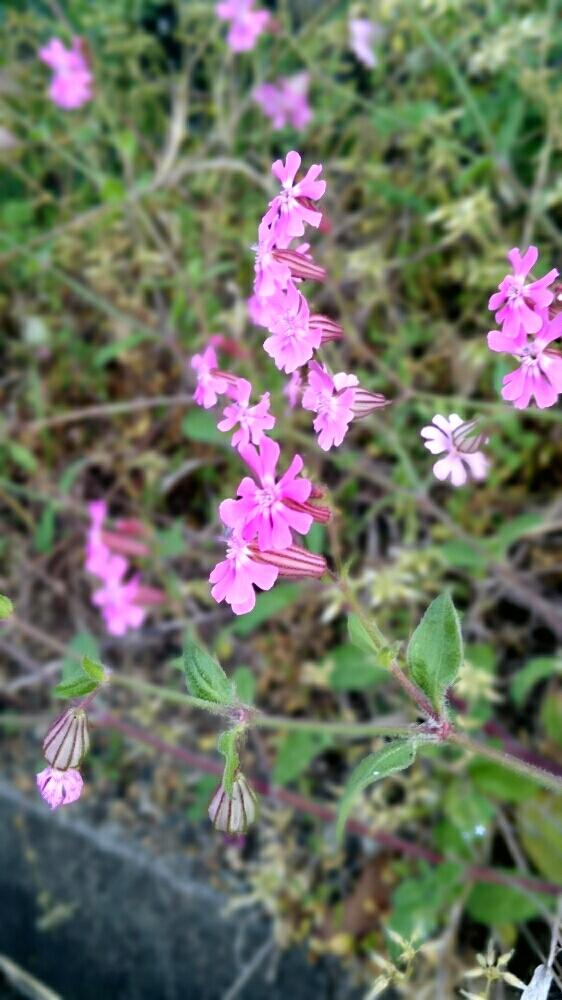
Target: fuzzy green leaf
393 757
435 651
75 689
94 670
6 607
205 677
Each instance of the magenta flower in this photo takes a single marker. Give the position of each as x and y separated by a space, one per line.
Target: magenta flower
236 576
362 36
293 341
261 510
293 389
71 86
253 420
60 788
209 384
457 465
246 24
287 215
285 102
540 372
272 274
97 552
331 397
117 598
516 304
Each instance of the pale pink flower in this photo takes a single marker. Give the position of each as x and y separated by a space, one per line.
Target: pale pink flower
331 397
71 86
517 304
457 465
209 384
253 420
293 389
271 274
261 510
362 36
60 788
246 24
117 598
285 102
540 372
97 552
258 310
293 341
287 214
236 576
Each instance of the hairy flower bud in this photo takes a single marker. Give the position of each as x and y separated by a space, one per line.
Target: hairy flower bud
294 561
300 265
234 813
365 402
67 740
320 514
329 329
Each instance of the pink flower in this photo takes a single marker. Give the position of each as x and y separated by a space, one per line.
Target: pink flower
236 576
71 86
285 102
293 389
97 552
261 510
287 215
540 372
272 275
60 788
253 420
209 384
362 36
440 436
331 397
293 341
117 598
516 302
246 24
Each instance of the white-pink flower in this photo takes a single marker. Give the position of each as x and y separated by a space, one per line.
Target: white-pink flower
261 511
331 397
457 465
246 24
362 36
287 212
518 303
540 372
209 384
292 341
60 788
71 86
253 420
235 577
285 102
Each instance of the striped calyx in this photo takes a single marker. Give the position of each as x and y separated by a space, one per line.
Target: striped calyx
67 740
234 813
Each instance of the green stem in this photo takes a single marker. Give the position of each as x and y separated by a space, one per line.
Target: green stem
544 778
166 694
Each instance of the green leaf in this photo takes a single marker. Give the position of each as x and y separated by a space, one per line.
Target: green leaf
268 604
6 607
45 530
536 670
392 758
82 644
500 783
205 677
463 555
76 688
245 684
539 822
22 456
201 425
353 670
358 634
295 753
93 670
497 905
228 746
435 651
418 903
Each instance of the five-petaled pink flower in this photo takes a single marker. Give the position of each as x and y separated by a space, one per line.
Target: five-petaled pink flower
285 102
236 576
262 511
517 304
540 371
246 24
331 397
293 340
287 212
209 384
60 788
457 465
71 86
253 420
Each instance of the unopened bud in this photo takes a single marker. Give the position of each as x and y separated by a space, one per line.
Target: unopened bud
234 813
300 265
67 740
365 402
294 561
468 438
329 329
320 514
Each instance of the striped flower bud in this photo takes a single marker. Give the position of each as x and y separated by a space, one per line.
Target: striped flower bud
67 740
320 514
300 265
329 329
365 402
294 561
234 813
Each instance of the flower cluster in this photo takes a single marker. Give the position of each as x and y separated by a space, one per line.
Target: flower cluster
65 745
122 599
528 328
285 102
71 86
246 24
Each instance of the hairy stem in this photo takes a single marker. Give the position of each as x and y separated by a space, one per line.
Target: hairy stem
545 778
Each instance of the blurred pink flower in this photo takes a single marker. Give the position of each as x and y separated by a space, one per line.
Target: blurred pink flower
71 86
457 465
235 577
261 511
331 397
287 215
540 372
60 788
253 420
246 23
293 389
292 341
209 384
117 598
517 305
285 102
362 37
